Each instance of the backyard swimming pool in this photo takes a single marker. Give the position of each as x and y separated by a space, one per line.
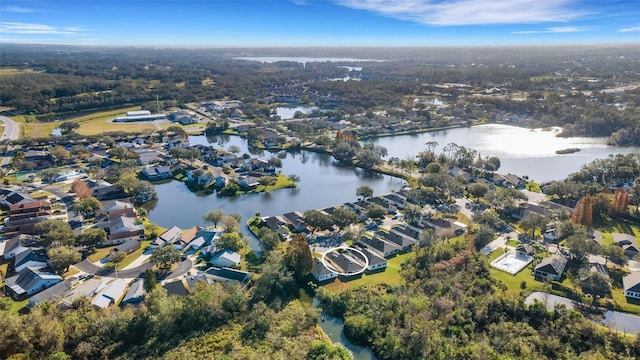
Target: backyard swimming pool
512 262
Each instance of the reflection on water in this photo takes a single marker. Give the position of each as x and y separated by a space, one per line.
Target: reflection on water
521 151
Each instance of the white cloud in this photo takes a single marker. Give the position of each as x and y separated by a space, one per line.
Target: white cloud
27 28
555 30
470 12
631 29
299 2
16 9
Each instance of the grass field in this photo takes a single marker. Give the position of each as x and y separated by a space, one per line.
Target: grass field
13 71
100 254
390 276
90 124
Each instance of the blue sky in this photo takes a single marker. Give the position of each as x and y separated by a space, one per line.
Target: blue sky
250 23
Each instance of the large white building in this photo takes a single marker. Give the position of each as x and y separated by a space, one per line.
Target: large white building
140 115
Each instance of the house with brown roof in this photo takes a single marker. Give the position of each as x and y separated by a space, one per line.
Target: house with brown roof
23 216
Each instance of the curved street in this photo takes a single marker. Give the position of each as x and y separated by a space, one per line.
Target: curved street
90 268
11 129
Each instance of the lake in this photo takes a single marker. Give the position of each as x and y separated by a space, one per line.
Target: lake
521 151
288 112
323 183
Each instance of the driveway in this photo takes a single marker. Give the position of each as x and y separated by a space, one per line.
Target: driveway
534 197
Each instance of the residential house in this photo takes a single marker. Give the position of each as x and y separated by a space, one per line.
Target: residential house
529 208
405 242
30 281
396 200
186 238
550 235
552 266
35 258
227 274
628 242
176 288
344 263
168 237
86 289
379 246
127 247
296 220
118 207
524 250
24 215
9 198
110 294
225 258
157 172
631 285
11 247
376 262
320 272
148 156
248 182
105 191
122 228
54 293
135 294
408 230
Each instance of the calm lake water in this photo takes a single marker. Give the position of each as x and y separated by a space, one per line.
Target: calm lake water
521 151
288 112
322 184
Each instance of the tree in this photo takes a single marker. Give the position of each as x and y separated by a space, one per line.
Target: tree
343 217
364 191
505 199
321 350
294 178
49 175
274 162
478 190
87 206
275 282
268 238
317 220
120 152
298 257
483 237
594 283
412 212
234 149
532 222
165 256
635 194
143 193
491 164
54 232
128 182
230 224
79 152
615 254
620 204
92 237
68 127
150 281
376 211
178 130
213 217
581 245
488 218
117 257
60 155
345 152
229 241
62 257
583 213
81 189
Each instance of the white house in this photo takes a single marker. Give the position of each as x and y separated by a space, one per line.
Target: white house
320 272
225 258
631 285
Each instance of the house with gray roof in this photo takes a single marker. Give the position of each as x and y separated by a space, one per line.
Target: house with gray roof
380 246
628 243
153 173
168 237
225 258
631 285
344 263
227 274
54 293
30 281
320 272
403 241
376 262
110 294
552 266
35 258
135 294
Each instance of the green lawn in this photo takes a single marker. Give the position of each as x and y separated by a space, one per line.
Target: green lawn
390 276
282 182
100 254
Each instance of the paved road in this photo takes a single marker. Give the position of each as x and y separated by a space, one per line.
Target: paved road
11 129
90 268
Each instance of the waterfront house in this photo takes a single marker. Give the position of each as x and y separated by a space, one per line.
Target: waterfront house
123 228
296 220
168 237
225 258
156 172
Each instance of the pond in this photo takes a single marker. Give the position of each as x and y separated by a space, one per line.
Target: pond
334 327
521 151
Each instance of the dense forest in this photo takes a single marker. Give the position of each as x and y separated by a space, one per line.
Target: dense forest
569 87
